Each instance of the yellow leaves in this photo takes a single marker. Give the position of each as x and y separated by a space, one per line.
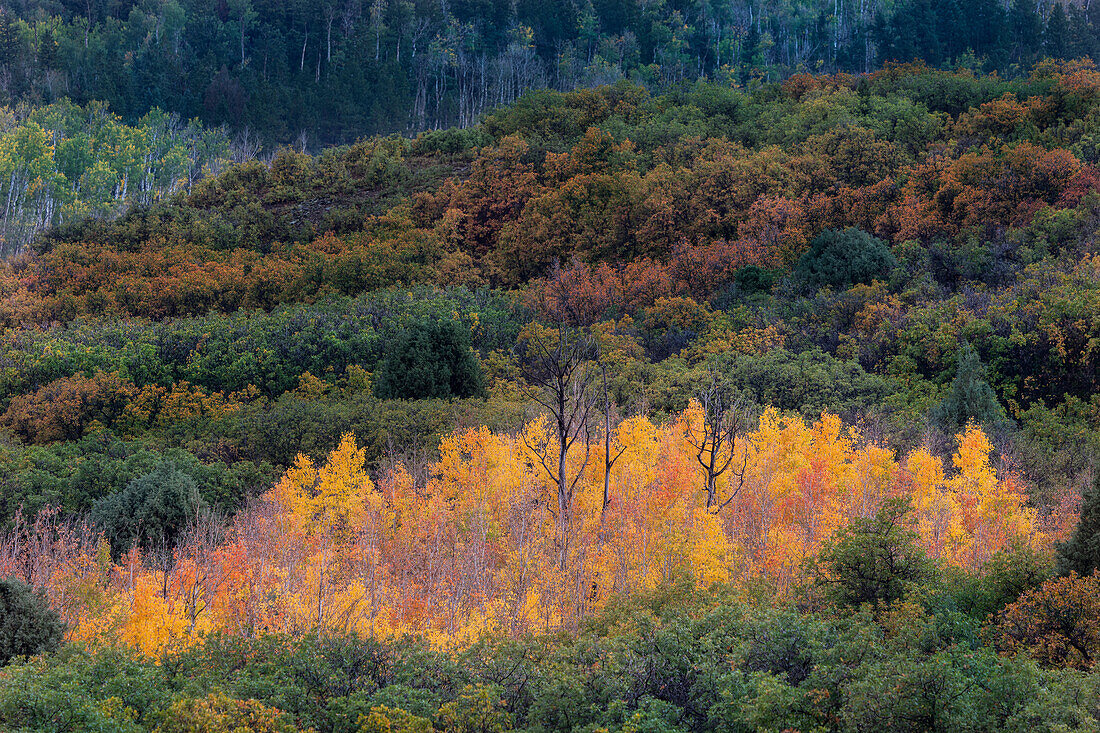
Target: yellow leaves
936 509
332 498
386 720
711 557
473 545
976 477
153 625
993 512
738 341
294 493
311 387
966 518
469 462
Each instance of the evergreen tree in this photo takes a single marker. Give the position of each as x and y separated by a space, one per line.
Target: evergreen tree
987 32
970 397
1026 30
1081 554
27 623
1082 35
840 259
9 39
912 32
1056 37
429 360
47 49
151 511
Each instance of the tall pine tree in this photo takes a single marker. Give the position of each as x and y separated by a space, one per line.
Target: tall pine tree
1056 37
9 39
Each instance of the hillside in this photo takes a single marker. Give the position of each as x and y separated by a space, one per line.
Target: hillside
719 408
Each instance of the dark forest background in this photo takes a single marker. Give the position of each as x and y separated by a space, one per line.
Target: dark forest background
328 72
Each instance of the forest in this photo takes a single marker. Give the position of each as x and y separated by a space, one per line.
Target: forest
328 72
759 398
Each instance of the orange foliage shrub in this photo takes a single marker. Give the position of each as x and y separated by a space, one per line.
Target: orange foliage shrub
1058 623
65 408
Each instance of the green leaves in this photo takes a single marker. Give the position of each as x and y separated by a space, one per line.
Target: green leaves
151 511
876 561
840 259
66 162
969 397
28 626
429 360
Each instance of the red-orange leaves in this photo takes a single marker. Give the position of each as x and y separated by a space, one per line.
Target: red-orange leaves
1058 623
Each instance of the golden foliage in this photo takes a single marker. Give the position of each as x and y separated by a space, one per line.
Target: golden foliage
475 545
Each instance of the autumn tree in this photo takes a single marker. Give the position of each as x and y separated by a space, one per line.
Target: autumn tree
610 456
477 709
217 713
383 719
1058 623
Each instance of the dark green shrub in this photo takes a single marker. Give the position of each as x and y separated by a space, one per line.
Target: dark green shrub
807 382
874 560
28 625
753 279
151 511
841 259
429 359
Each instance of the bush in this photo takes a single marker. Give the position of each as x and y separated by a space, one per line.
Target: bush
841 259
808 382
392 720
151 511
753 279
429 360
217 713
28 625
873 560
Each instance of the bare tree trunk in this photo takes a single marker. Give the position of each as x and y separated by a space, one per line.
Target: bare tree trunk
556 369
715 441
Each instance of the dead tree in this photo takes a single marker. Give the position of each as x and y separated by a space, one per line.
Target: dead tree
608 459
715 440
556 366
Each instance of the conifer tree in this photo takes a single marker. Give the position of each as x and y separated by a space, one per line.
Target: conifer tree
1081 554
429 360
1056 37
9 39
969 398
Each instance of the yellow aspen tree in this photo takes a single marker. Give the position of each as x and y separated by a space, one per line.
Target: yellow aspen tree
994 511
153 625
936 509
